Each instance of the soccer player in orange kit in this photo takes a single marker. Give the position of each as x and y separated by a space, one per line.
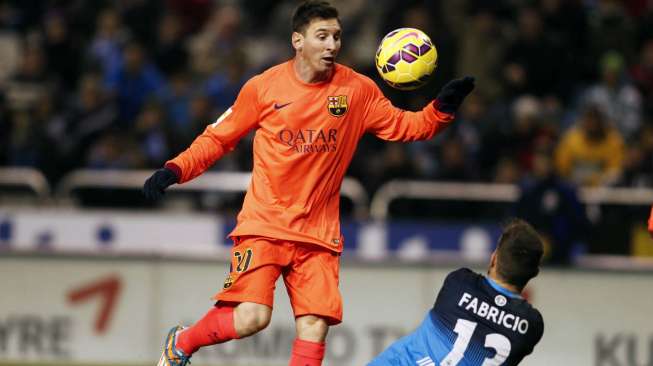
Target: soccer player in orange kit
309 114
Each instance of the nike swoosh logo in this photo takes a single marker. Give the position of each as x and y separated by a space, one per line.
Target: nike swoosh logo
279 106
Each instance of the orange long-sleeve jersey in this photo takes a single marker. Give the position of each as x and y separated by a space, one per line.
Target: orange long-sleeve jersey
306 135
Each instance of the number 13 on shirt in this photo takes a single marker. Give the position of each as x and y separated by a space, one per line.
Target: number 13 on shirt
465 329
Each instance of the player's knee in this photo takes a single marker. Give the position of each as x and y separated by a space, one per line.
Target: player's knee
312 328
251 318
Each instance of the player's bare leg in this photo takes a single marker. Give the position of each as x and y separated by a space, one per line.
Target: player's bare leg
308 348
251 318
311 328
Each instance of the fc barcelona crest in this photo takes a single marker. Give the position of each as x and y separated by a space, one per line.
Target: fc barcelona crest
228 282
337 105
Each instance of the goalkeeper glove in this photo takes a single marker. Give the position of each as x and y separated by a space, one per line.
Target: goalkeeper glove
154 187
451 95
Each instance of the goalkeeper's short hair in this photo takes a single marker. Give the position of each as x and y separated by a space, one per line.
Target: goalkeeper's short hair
519 253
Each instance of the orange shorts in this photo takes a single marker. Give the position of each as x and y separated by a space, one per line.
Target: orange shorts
310 274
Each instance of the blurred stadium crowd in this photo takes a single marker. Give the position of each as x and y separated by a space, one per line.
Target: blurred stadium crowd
564 87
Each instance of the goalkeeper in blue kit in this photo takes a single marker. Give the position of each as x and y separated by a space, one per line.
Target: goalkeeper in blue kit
479 320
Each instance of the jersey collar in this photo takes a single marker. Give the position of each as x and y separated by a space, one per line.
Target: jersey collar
502 290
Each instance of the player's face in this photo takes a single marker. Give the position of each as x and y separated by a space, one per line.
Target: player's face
319 45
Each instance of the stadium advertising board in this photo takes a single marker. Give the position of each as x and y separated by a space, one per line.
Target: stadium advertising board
76 311
205 236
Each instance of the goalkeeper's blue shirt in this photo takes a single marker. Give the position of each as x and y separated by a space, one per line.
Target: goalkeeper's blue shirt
474 322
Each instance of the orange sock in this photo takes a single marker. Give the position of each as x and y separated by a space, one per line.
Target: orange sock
306 353
217 326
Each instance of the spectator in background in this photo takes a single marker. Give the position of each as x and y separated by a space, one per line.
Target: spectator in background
394 163
638 164
63 52
5 131
454 165
512 138
111 35
31 81
201 113
141 17
591 153
258 11
192 14
553 207
533 63
472 121
223 86
151 133
617 96
567 26
28 143
611 28
10 57
114 150
170 54
22 150
177 98
642 74
132 82
73 132
507 171
526 129
219 37
483 40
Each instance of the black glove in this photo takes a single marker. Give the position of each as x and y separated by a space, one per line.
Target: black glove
154 186
452 94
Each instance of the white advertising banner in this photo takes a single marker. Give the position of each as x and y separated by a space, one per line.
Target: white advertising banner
114 232
204 235
74 311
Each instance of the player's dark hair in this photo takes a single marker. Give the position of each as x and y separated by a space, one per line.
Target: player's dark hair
519 253
309 10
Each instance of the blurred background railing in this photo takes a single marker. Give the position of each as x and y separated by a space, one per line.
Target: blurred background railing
208 182
589 221
25 182
34 182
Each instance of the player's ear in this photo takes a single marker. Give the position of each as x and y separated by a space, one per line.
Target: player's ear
493 260
297 40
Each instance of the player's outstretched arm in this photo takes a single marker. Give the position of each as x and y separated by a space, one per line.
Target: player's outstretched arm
394 124
451 95
155 186
218 138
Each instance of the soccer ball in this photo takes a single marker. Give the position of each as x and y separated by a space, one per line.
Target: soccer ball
406 58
